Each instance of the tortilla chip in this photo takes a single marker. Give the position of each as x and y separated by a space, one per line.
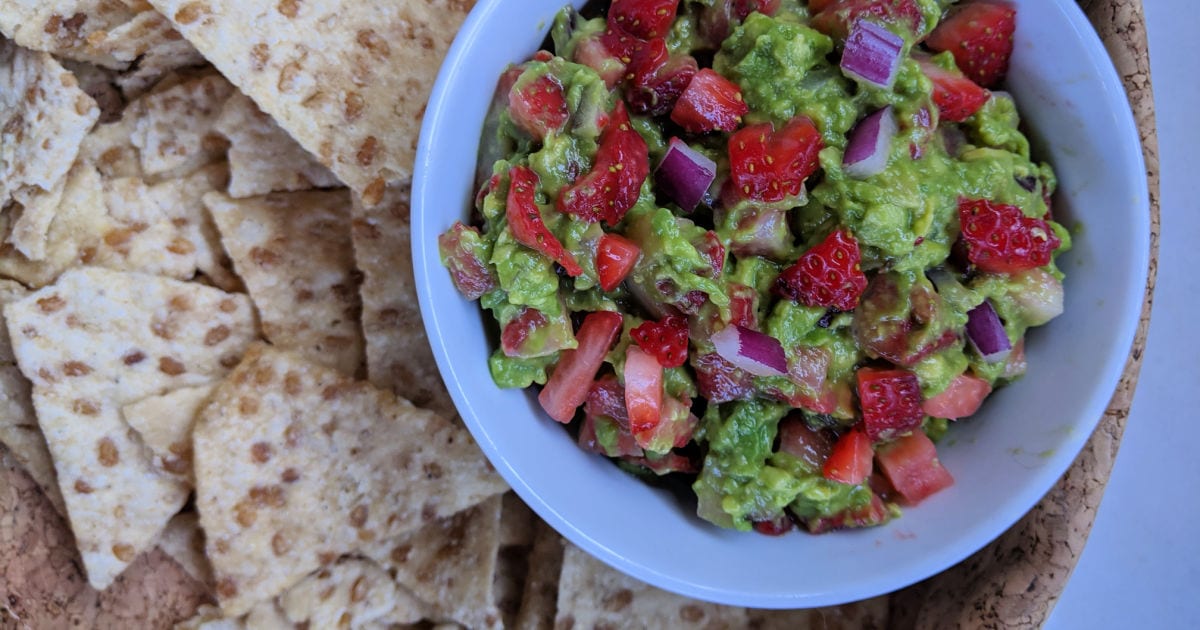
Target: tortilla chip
293 252
398 352
865 615
538 603
165 424
518 523
449 564
100 84
262 157
183 540
323 465
98 340
109 148
174 129
352 593
18 425
210 618
348 81
63 27
591 594
45 117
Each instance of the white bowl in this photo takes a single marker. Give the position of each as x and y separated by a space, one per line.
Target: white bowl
1003 461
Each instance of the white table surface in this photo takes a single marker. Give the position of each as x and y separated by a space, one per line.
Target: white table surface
1141 567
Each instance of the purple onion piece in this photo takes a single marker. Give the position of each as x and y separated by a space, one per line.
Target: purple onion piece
870 144
986 333
757 353
685 175
872 54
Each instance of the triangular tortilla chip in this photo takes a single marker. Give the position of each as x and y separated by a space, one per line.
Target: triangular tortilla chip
866 614
98 340
174 130
183 540
352 593
18 425
348 81
165 423
592 594
43 119
98 83
262 157
398 352
297 464
63 27
449 564
293 252
109 148
538 603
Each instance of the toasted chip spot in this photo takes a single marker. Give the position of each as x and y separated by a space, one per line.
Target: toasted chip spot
354 106
358 591
134 358
106 451
267 496
290 475
170 366
46 375
181 246
288 7
373 42
358 516
230 360
691 613
433 471
245 514
83 487
247 405
260 54
280 544
264 257
261 452
76 368
179 303
618 601
288 76
226 588
51 304
87 254
222 546
85 407
216 335
228 305
367 151
345 620
291 435
264 375
123 552
291 384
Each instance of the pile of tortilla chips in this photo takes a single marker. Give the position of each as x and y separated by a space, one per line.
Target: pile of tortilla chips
212 363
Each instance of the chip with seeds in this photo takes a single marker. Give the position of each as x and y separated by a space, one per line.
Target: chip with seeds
398 352
538 601
43 119
518 523
183 540
262 157
93 342
352 593
348 81
297 464
64 27
174 128
293 252
449 564
165 422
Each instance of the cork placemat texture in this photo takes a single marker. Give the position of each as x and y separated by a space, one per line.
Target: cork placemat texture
1012 583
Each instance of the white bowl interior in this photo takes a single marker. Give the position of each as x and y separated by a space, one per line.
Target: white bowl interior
1004 460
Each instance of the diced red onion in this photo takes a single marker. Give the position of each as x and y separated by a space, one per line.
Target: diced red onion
685 174
750 350
870 144
986 333
872 54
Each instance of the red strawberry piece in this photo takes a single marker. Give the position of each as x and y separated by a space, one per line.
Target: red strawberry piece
611 188
656 78
666 340
518 330
890 400
768 165
836 17
850 460
591 52
525 220
615 258
956 96
709 103
827 275
777 526
538 106
644 19
1001 239
980 36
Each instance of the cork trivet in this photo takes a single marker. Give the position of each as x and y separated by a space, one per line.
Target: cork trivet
1015 581
42 582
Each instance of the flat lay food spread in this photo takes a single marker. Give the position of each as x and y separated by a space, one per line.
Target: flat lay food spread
768 249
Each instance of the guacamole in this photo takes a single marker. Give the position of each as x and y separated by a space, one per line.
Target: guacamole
726 254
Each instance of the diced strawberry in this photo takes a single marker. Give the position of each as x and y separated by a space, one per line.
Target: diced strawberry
873 514
850 460
768 165
816 6
797 439
643 393
644 19
961 399
672 429
656 78
525 220
606 403
743 305
980 36
836 17
827 275
912 465
890 400
615 258
572 378
1001 239
901 326
709 103
611 188
591 52
777 526
518 330
957 97
710 248
460 248
666 340
538 107
719 380
621 44
718 18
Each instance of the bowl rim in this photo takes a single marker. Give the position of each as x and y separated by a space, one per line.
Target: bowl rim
438 114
